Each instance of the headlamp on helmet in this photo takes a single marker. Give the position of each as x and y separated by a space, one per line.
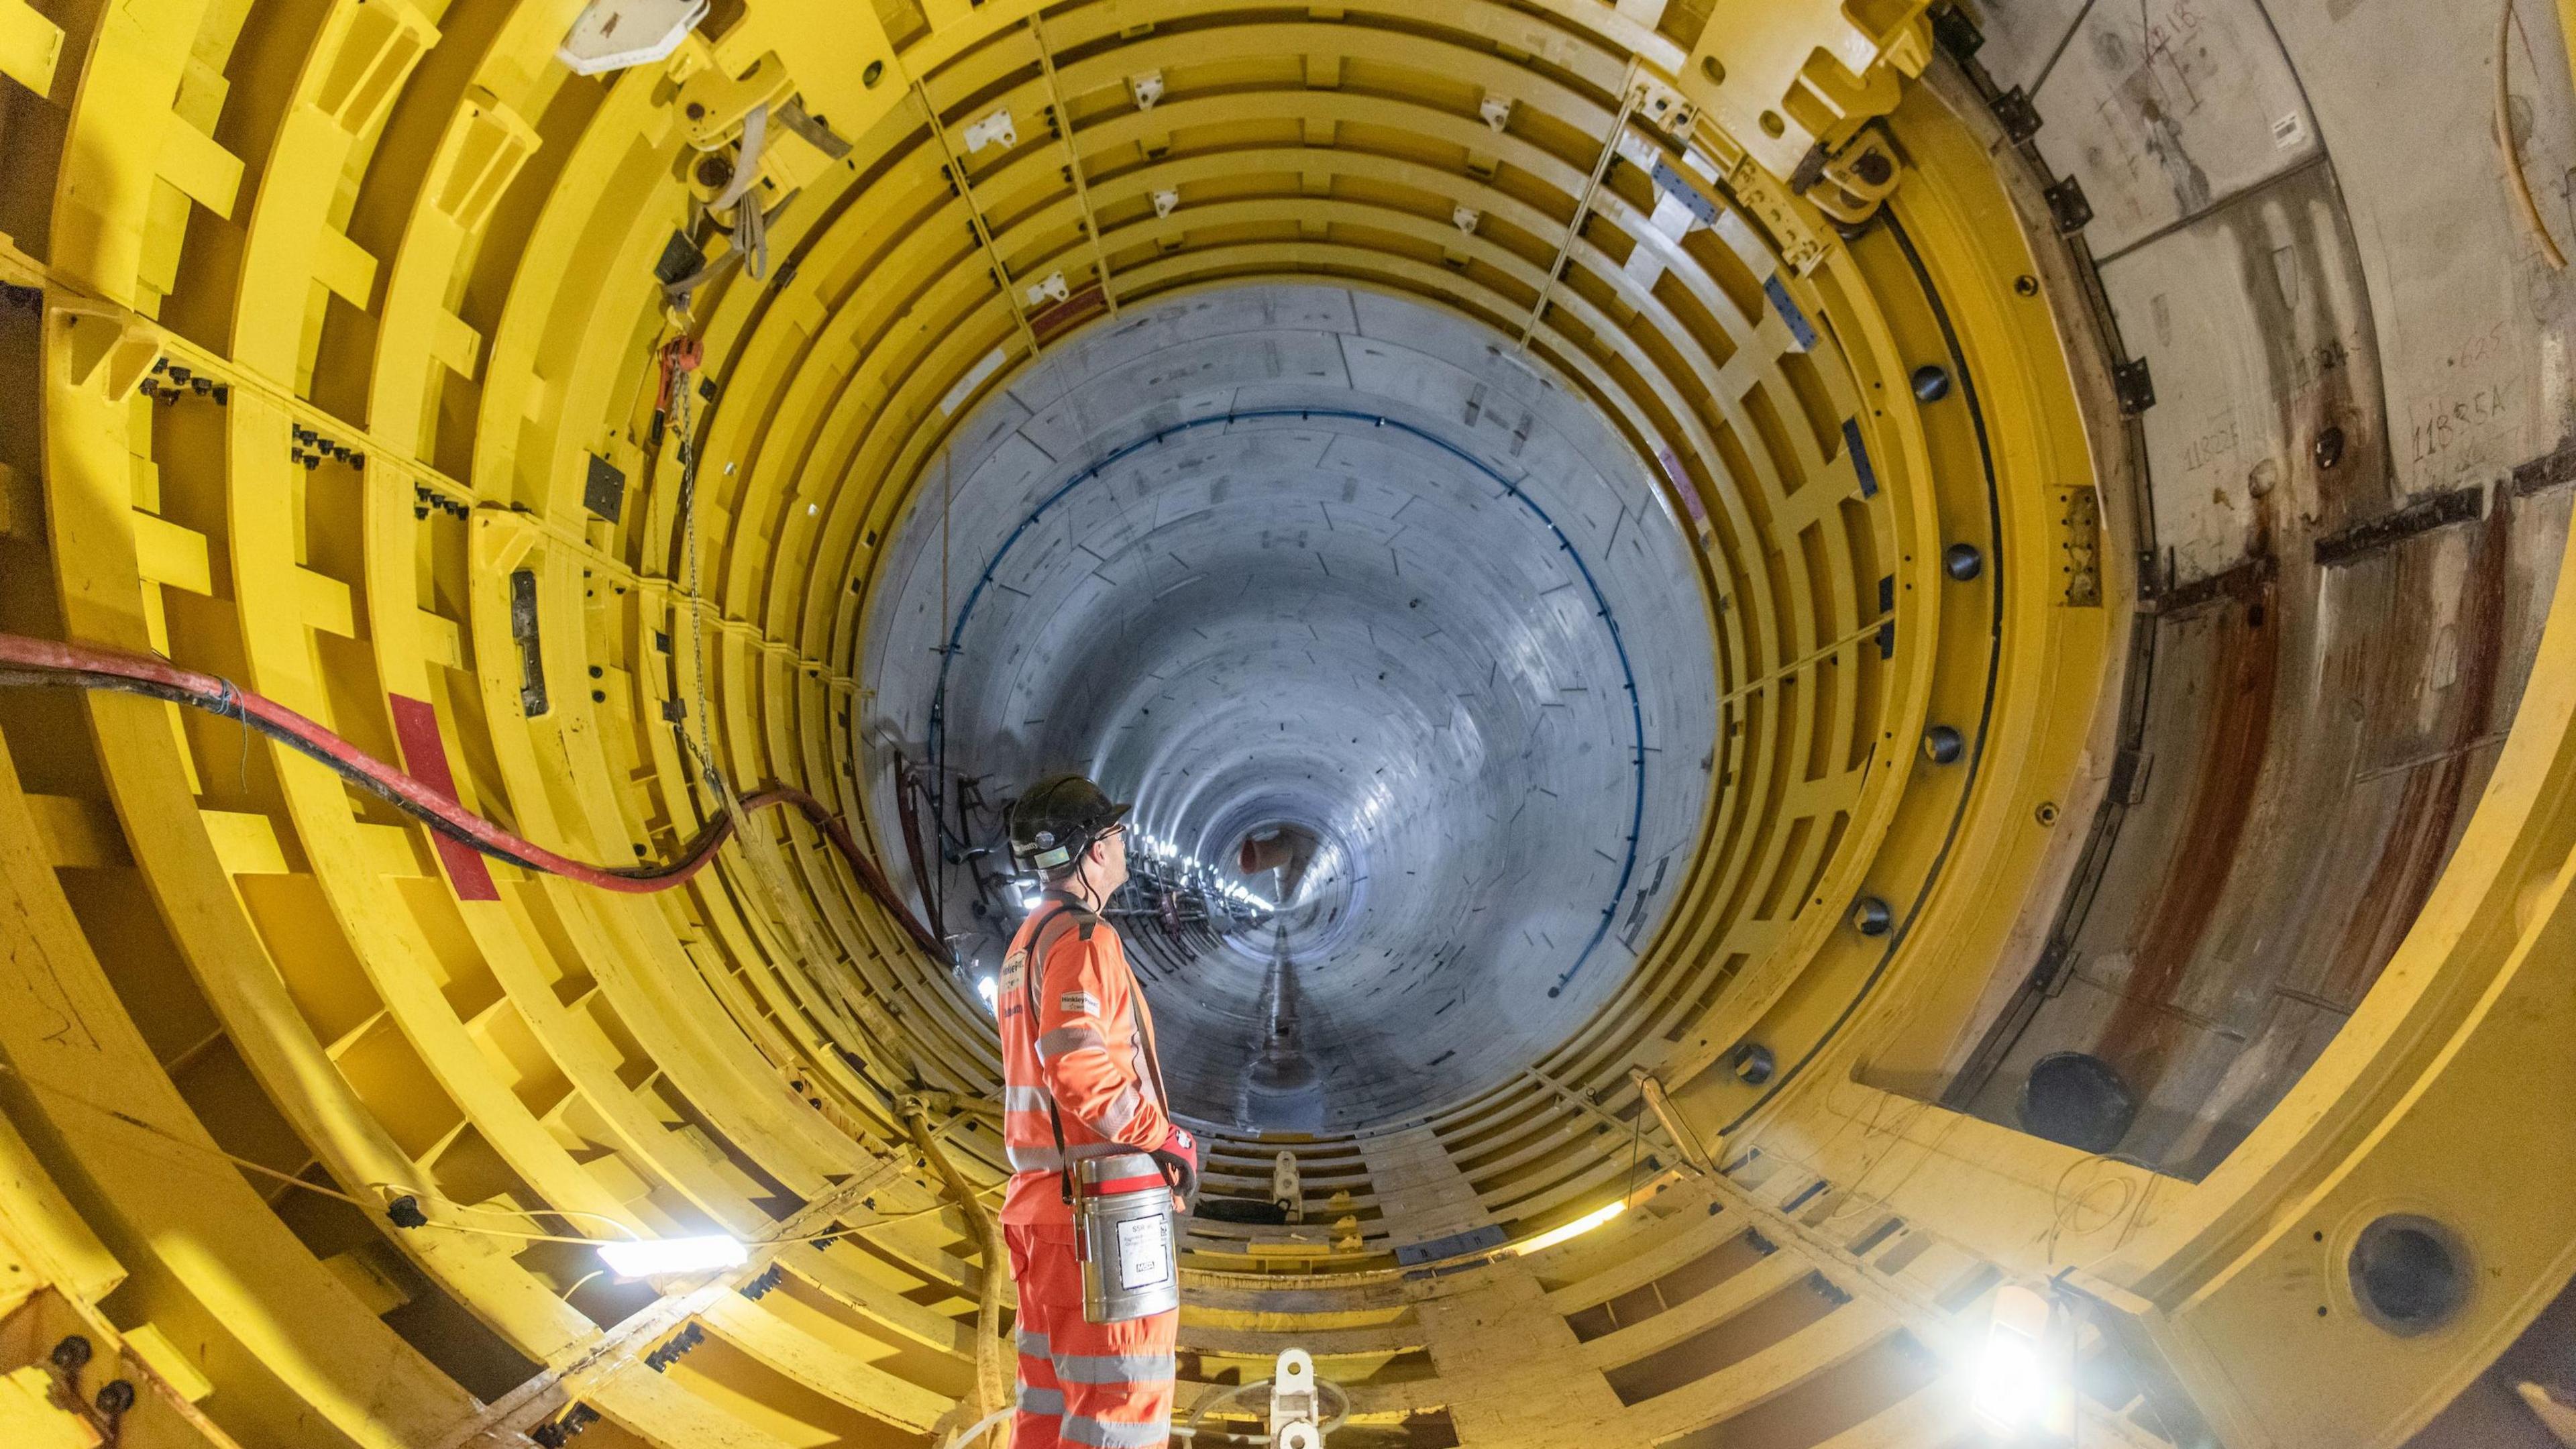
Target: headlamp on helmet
1058 819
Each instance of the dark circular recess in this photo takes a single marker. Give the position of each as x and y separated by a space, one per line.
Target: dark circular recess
2410 1274
2079 1100
1871 916
1752 1063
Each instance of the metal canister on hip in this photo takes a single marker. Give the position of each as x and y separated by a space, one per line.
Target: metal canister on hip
1122 1222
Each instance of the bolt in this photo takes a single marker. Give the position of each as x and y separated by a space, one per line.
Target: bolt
1942 745
1873 168
697 112
115 1397
2046 814
1962 562
72 1354
2026 284
1931 383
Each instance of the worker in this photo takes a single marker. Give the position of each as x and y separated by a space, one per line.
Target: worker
1080 1080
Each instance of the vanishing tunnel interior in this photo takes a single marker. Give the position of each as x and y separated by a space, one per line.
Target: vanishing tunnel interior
1851 723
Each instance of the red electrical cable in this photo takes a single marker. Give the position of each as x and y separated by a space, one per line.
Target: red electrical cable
25 661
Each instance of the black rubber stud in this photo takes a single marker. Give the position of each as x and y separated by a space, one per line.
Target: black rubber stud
1931 383
1942 745
1871 917
1962 562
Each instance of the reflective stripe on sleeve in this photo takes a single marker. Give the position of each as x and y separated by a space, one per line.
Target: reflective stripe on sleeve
1024 1099
1033 1159
1069 1039
1115 1117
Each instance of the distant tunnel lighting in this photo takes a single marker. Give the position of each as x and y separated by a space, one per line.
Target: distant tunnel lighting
660 1256
1576 1228
984 988
2015 1394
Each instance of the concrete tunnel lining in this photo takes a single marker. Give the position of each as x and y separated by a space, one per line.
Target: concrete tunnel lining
1268 608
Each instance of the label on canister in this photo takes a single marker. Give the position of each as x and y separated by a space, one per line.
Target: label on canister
1144 1252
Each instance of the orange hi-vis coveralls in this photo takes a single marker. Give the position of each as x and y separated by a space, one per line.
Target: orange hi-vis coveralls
1086 1046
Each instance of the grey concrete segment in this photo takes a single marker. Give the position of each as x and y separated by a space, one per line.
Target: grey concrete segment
1326 622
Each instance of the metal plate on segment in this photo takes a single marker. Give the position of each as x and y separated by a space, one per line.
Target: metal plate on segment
1674 185
523 630
1474 1240
603 492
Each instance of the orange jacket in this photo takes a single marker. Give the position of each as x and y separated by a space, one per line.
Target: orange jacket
1084 1046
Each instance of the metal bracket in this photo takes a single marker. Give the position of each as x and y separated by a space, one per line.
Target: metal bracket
1956 33
2067 206
2135 386
2019 118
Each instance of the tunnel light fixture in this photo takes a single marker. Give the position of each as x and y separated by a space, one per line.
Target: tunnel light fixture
661 1257
2016 1394
985 988
1574 1229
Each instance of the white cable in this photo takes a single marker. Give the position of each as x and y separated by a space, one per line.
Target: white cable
980 1425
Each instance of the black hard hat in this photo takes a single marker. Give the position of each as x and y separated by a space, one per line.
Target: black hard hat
1058 818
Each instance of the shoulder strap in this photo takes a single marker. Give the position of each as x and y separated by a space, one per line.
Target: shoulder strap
1084 921
1145 1040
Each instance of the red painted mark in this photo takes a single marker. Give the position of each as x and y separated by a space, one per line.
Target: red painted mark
425 755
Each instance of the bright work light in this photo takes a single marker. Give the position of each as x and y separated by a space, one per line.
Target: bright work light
658 1257
1576 1228
2016 1394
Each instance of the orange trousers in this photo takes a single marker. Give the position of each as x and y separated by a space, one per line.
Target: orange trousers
1099 1385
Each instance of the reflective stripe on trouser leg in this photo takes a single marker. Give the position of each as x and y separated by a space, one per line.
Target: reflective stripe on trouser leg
1115 1378
1040 1400
1117 1381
